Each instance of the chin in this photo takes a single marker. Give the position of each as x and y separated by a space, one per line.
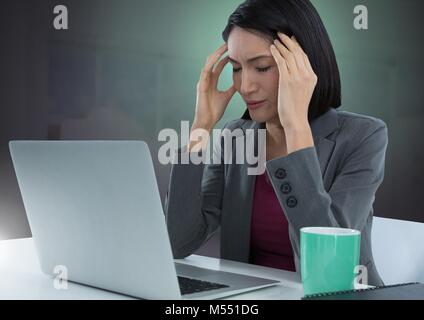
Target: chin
261 115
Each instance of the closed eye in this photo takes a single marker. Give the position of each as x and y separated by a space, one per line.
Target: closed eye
259 69
263 69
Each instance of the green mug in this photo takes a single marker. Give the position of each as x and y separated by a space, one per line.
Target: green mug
328 258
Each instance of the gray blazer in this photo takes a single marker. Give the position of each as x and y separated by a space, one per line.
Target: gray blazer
332 184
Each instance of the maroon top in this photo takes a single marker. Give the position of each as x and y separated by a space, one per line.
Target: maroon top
269 240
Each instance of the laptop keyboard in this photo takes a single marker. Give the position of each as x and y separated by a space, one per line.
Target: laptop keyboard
188 285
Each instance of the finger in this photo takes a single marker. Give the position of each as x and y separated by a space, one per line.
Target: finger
308 63
214 57
218 69
288 57
211 61
289 43
299 56
294 48
304 58
281 62
230 92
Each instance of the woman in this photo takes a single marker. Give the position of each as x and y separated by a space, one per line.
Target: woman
323 166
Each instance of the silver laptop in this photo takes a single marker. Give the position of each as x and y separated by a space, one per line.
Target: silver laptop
94 207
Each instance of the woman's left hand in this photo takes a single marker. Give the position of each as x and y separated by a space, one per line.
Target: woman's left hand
297 82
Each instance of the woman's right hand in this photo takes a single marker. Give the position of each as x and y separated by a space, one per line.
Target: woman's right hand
210 102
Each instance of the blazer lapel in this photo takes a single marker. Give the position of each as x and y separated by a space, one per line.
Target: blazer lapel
321 128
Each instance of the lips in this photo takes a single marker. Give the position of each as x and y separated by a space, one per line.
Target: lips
254 104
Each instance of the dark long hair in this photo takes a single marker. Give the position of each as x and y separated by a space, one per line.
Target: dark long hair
298 18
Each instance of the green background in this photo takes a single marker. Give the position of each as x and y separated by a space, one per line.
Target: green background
127 69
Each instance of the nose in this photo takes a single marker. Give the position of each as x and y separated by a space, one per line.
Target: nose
248 85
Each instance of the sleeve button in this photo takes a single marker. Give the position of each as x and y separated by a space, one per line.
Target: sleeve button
280 174
286 188
291 202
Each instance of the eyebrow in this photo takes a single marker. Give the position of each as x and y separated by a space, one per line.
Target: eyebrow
251 59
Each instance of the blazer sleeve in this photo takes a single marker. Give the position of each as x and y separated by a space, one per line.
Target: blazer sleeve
349 200
193 203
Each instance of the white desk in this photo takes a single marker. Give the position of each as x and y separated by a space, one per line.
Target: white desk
21 277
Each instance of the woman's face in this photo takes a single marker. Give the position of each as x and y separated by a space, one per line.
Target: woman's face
255 74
